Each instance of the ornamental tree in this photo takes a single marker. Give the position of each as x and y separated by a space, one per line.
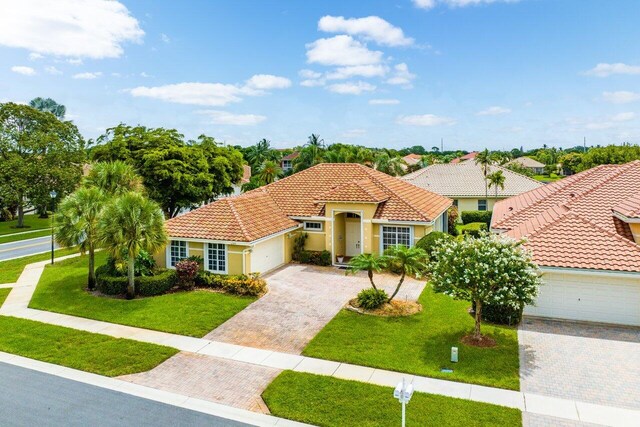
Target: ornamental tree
490 269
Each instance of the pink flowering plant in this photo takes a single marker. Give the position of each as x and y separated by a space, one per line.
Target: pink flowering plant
187 271
489 269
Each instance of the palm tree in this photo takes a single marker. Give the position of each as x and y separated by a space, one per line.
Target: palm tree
496 179
77 220
258 153
485 160
50 106
368 262
389 165
132 223
316 145
409 260
113 178
269 172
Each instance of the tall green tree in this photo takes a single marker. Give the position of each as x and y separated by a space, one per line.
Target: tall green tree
77 223
484 159
129 224
390 165
410 261
113 178
49 105
257 154
269 172
370 263
496 179
38 153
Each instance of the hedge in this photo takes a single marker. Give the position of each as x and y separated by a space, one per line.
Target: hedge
147 286
431 241
473 229
322 258
476 216
238 285
500 314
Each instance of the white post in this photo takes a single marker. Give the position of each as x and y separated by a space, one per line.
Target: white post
404 421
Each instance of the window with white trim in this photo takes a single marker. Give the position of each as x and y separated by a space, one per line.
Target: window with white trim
313 225
177 252
482 205
394 235
217 257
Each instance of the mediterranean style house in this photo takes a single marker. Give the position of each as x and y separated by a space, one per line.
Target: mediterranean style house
534 166
465 183
584 231
346 209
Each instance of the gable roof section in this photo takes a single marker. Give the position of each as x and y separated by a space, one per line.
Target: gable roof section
291 156
630 207
570 223
363 190
470 156
412 159
527 162
467 180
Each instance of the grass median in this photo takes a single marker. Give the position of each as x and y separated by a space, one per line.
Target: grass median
11 270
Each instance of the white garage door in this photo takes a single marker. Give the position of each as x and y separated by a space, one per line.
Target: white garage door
267 255
593 298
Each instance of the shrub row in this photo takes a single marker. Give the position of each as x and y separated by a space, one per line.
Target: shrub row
473 229
238 285
500 314
322 258
476 216
147 286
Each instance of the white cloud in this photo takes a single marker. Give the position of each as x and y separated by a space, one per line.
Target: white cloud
354 133
341 73
165 38
21 69
370 28
430 4
494 111
88 75
621 97
384 102
605 70
425 120
309 74
341 50
54 71
268 81
401 76
612 121
227 118
33 56
351 88
89 28
624 117
74 61
145 75
313 82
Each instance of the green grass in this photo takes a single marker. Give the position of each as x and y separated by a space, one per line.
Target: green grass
89 352
3 295
31 222
195 313
18 237
421 344
11 270
547 178
327 401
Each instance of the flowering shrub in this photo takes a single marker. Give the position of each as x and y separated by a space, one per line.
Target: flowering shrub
240 285
490 269
187 270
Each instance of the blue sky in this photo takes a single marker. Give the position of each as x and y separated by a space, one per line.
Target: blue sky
387 73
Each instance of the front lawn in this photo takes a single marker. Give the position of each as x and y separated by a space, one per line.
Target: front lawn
31 222
421 344
62 289
327 401
11 270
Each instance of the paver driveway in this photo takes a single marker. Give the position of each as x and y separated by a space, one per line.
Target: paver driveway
592 363
302 299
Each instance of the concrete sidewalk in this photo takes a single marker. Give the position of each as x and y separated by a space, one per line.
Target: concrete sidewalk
17 302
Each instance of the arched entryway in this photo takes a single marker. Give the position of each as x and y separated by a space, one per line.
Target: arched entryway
347 236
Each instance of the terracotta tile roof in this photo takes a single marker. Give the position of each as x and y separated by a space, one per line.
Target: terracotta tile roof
363 190
472 155
412 159
527 162
570 223
467 180
268 209
291 156
246 174
629 207
244 218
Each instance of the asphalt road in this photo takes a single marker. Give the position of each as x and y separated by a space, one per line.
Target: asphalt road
25 247
32 398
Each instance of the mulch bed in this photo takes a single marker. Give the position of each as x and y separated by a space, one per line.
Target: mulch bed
396 308
484 341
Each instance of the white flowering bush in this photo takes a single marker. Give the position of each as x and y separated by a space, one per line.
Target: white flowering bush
489 269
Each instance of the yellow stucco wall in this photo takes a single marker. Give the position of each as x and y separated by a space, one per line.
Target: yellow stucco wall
635 230
316 240
234 255
471 204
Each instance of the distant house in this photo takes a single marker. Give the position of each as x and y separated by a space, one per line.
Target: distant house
527 162
286 164
471 156
412 159
465 184
246 177
584 232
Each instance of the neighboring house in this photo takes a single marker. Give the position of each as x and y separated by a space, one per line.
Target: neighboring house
584 232
246 177
346 209
465 184
527 162
412 159
471 156
286 164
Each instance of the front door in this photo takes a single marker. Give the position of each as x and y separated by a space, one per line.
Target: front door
352 238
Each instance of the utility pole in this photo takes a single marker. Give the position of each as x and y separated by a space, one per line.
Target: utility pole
584 144
441 145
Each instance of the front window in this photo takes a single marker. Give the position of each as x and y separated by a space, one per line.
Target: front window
286 164
482 205
177 252
313 225
392 236
216 257
455 202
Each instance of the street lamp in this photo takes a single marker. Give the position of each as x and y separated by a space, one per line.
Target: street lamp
403 393
53 195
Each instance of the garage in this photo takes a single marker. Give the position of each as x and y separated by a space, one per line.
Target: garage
589 296
267 255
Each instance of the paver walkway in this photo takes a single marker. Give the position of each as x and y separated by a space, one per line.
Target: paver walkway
302 299
17 302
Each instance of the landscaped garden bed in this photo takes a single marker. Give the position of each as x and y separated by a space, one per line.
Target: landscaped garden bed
327 401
